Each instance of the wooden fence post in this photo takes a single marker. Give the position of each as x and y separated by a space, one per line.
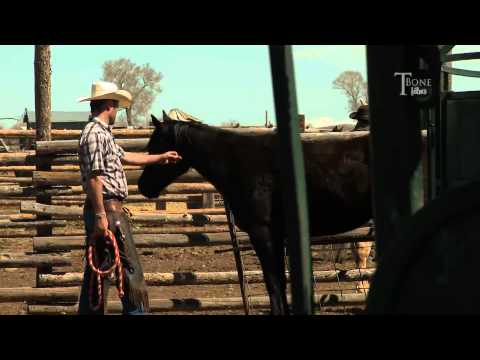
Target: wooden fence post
301 120
43 126
208 201
160 205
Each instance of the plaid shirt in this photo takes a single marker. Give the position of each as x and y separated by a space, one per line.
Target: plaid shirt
100 155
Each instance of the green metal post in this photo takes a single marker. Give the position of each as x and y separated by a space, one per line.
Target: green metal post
293 179
395 140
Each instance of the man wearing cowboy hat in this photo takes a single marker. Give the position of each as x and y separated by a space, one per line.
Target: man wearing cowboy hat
104 181
362 117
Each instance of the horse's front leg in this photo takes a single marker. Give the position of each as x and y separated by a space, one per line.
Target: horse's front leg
271 254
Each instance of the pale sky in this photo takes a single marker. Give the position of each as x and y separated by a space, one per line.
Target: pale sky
216 83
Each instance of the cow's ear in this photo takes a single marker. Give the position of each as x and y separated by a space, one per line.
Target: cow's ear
156 122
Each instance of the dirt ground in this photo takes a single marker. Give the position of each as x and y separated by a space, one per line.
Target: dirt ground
180 259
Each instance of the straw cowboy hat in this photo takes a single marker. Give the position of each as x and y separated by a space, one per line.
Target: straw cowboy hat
181 115
102 90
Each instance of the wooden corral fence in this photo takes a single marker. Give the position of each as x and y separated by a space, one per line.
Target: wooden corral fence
202 223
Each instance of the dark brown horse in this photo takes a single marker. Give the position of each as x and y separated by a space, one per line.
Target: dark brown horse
245 169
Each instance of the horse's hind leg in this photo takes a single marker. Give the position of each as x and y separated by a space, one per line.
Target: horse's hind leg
361 251
271 257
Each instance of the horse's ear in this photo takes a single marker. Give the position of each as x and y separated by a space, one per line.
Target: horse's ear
156 122
166 118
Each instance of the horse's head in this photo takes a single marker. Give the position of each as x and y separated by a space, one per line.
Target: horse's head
165 137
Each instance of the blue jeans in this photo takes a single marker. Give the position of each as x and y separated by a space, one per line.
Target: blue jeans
135 300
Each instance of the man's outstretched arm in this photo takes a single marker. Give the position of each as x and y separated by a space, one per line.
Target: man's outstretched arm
130 158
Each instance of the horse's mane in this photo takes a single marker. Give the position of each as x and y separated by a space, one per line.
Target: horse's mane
238 139
217 130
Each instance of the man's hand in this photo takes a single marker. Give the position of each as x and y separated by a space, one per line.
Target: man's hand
170 157
100 227
95 196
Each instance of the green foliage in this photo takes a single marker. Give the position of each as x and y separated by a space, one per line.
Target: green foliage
142 81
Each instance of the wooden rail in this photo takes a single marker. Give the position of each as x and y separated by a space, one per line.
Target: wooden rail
193 304
207 278
11 260
118 133
143 240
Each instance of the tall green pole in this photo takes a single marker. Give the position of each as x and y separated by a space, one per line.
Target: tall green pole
395 140
293 179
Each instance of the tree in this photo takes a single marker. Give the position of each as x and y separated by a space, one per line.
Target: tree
143 82
354 87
